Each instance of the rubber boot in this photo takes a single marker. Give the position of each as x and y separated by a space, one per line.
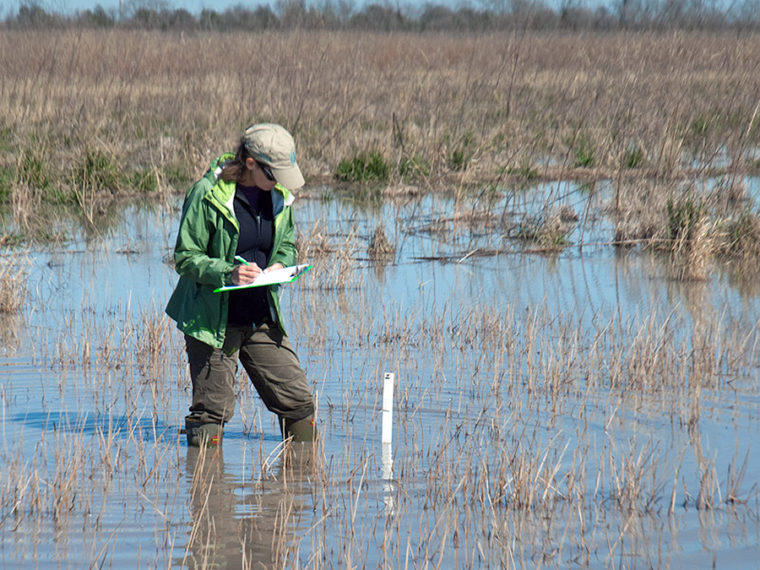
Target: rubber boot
204 434
302 430
298 456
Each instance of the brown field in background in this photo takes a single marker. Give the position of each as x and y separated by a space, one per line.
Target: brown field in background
483 109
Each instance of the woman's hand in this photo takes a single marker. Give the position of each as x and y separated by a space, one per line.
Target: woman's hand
245 274
274 267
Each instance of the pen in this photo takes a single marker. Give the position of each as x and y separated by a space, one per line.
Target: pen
241 260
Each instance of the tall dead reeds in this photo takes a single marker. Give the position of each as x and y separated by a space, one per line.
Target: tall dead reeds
13 282
468 108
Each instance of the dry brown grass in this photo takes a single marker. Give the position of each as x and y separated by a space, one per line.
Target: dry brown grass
333 257
86 115
472 106
380 247
13 283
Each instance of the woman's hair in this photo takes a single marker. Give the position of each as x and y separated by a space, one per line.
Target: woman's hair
233 170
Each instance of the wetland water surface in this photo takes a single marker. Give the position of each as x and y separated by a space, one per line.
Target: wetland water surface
574 409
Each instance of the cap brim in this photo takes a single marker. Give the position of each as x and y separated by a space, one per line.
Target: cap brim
290 177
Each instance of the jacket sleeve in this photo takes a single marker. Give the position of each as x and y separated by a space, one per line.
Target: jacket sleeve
286 252
191 252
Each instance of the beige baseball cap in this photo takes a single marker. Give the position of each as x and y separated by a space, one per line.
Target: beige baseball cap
274 146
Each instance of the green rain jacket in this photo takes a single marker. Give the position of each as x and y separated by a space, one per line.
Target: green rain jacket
205 250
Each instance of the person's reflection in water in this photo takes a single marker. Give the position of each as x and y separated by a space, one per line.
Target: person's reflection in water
243 525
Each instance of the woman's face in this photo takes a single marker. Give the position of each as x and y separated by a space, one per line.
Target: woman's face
256 175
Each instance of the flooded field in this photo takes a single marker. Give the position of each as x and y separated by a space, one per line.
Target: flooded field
574 408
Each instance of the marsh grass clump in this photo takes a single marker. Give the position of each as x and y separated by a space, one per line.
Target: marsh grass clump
414 167
98 170
13 284
177 174
684 216
742 241
364 167
333 258
635 156
549 230
8 179
32 169
692 238
461 153
525 173
315 244
145 180
583 152
102 173
380 247
692 223
638 211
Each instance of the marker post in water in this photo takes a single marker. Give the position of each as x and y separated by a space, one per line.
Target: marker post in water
386 439
388 381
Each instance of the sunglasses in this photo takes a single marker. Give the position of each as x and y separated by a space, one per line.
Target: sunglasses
267 172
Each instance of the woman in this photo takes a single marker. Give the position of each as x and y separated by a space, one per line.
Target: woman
240 209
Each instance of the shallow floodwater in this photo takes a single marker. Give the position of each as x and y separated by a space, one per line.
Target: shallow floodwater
578 408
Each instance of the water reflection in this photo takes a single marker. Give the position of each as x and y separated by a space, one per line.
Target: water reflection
249 524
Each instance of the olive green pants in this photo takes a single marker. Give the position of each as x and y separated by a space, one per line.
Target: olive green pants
271 364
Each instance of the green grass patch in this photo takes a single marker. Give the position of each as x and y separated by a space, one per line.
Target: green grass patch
525 172
414 167
143 180
177 174
583 152
98 170
634 157
365 167
32 171
8 178
459 158
683 217
544 231
6 138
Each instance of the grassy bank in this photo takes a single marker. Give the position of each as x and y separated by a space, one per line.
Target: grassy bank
88 115
137 111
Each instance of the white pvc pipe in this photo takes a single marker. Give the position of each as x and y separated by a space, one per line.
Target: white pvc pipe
388 381
387 456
